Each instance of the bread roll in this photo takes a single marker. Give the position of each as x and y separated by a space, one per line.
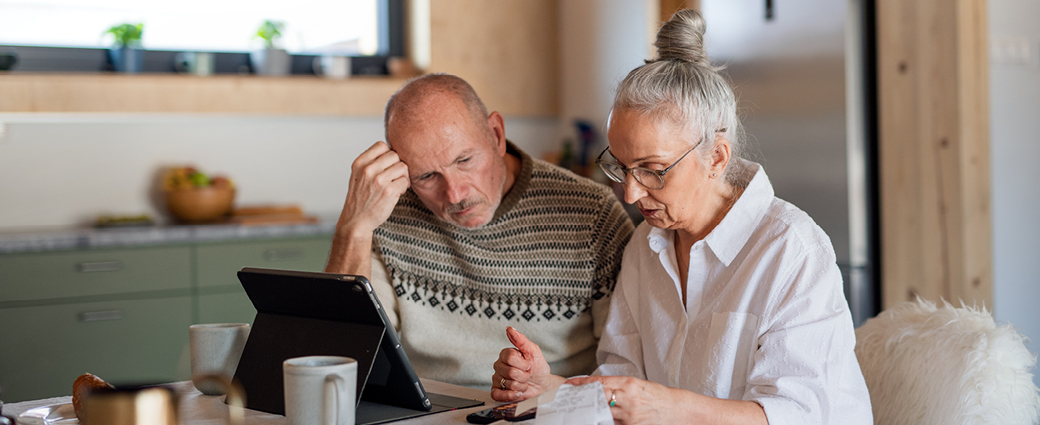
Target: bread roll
83 386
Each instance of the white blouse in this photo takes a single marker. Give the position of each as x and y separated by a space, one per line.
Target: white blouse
765 318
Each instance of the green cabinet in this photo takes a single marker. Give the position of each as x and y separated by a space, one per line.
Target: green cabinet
84 273
231 307
219 262
123 314
44 348
221 298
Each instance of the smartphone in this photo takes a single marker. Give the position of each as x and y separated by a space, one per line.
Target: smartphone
505 411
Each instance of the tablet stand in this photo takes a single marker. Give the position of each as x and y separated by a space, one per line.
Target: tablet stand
275 338
309 314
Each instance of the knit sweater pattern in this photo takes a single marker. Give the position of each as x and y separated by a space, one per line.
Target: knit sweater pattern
546 264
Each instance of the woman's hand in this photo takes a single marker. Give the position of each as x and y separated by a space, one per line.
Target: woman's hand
521 372
639 402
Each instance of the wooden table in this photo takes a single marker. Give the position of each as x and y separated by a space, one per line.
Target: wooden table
198 409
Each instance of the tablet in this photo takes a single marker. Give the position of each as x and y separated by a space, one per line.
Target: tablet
304 314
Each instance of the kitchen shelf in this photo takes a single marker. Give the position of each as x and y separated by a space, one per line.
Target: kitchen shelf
219 94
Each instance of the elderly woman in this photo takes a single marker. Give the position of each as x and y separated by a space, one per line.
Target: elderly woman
729 306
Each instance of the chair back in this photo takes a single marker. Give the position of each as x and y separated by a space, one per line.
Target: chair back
943 365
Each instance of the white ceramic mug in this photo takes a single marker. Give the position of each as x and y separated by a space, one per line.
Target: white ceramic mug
337 67
215 350
320 390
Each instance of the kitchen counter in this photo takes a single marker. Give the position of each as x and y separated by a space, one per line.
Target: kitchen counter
89 238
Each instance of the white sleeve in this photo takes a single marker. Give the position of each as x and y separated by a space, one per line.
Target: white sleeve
620 350
384 290
805 370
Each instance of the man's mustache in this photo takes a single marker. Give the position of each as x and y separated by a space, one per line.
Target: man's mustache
462 205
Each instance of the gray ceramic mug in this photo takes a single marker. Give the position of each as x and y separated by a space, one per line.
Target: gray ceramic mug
215 350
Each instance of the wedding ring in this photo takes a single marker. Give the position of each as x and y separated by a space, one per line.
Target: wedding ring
613 398
502 383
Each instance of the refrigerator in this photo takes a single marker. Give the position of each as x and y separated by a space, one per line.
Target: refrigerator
803 74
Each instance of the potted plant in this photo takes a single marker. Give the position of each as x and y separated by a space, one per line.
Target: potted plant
271 60
126 53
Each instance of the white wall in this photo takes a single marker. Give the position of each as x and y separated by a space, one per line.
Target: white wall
65 169
1015 154
600 42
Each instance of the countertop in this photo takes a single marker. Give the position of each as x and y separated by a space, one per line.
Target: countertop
58 239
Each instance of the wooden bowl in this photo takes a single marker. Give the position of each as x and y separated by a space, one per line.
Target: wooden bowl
200 204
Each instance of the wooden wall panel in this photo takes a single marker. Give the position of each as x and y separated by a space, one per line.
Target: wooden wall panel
934 151
669 7
187 94
506 49
973 63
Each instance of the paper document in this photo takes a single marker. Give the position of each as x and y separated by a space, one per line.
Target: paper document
570 405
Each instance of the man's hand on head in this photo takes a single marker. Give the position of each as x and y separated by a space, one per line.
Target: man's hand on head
378 178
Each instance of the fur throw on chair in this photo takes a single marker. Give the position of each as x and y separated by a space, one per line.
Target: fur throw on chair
926 365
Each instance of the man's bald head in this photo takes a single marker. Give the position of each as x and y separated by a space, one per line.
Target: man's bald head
415 100
455 151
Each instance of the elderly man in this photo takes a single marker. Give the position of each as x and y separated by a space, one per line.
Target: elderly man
463 234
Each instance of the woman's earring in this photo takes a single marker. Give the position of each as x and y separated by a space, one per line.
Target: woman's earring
714 175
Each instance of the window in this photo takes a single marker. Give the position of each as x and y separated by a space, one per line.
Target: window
67 35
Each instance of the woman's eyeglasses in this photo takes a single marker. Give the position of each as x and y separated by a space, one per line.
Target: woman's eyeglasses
651 179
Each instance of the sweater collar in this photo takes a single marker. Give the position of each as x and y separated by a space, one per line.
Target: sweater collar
510 199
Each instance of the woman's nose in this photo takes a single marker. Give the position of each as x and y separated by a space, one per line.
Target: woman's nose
633 190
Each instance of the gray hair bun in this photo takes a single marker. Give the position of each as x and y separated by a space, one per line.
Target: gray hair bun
682 38
681 84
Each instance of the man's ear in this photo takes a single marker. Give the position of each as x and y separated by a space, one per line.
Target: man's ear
498 130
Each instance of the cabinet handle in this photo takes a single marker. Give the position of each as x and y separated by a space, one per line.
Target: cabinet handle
283 254
99 266
97 316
